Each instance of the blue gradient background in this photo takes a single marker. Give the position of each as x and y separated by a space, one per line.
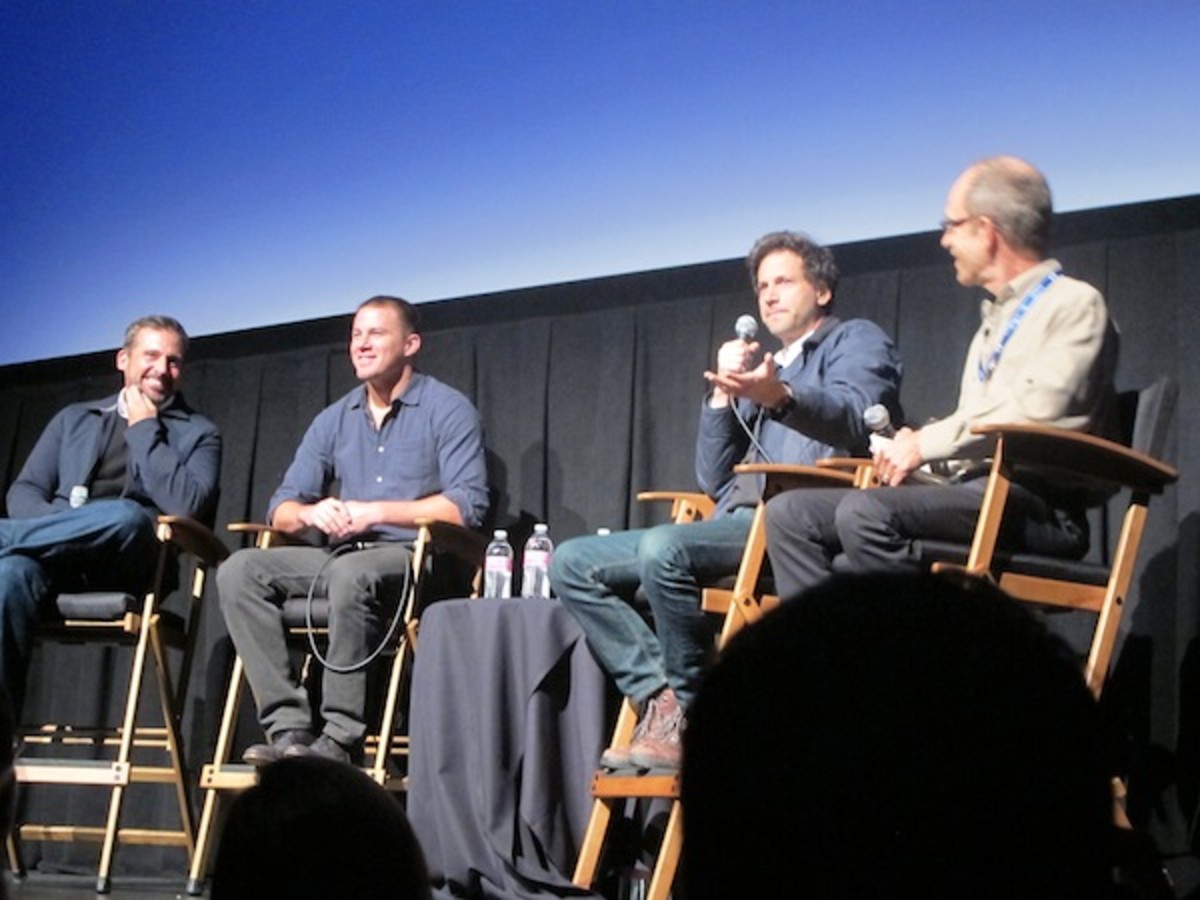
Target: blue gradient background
249 163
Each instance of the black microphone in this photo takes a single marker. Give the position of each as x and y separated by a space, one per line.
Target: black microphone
746 327
879 420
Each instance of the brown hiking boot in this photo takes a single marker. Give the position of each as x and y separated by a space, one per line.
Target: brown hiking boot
619 757
659 746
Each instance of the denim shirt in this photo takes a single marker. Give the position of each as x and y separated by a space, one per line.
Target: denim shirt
173 463
431 442
844 368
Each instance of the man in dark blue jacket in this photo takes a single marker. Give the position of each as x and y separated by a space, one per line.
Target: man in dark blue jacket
83 507
796 405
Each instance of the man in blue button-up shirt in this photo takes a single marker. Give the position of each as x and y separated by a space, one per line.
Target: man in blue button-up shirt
83 506
402 446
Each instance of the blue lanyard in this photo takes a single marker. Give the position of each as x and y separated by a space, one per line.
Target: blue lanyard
988 366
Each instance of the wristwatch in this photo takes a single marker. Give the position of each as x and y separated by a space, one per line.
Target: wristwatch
782 408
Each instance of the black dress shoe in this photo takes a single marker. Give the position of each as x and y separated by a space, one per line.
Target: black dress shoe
328 748
265 754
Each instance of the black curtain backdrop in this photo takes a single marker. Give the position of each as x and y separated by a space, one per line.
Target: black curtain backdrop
590 391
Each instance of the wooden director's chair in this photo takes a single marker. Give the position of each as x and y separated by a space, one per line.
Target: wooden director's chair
1087 462
384 746
138 751
1133 470
741 600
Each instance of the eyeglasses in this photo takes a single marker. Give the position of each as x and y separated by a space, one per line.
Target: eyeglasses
947 224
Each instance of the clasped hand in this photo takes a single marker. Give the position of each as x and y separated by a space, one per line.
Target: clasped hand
336 518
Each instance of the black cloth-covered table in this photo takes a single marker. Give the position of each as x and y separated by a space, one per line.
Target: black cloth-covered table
508 720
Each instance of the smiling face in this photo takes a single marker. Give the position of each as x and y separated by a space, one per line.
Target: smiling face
381 346
966 236
153 363
788 303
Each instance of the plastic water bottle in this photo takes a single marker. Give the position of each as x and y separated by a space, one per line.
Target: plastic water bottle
535 573
498 566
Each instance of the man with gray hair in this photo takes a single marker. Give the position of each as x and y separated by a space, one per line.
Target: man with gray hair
1045 353
83 507
803 402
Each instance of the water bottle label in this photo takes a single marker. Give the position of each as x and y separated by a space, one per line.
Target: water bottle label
537 559
498 565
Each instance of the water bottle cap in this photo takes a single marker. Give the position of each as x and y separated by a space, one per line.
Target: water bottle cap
541 528
500 534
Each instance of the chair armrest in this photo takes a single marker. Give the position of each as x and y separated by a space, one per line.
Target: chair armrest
447 537
686 506
787 477
850 464
1079 457
264 535
192 536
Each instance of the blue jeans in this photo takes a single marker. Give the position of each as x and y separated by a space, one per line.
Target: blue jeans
105 545
596 578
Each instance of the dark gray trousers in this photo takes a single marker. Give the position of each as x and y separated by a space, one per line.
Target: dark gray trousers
363 588
876 530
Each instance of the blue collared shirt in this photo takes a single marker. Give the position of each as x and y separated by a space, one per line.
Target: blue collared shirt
430 442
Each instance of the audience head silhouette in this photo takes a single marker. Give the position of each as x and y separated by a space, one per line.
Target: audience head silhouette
896 736
313 827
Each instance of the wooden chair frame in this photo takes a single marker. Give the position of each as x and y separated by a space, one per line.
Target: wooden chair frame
224 775
740 604
1106 464
150 632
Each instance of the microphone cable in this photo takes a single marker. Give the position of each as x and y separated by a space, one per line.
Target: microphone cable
751 433
337 551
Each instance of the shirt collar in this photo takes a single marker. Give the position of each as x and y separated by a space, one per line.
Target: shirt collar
1021 285
411 397
793 351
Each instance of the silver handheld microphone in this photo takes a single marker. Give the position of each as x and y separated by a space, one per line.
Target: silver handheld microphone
746 327
879 420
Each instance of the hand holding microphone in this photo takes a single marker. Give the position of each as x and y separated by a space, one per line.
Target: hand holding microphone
738 354
896 454
737 374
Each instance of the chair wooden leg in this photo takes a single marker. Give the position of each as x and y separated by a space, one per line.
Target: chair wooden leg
125 751
16 864
593 842
171 717
212 780
208 818
668 855
387 723
103 873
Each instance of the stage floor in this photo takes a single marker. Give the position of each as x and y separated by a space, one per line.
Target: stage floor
38 886
1184 872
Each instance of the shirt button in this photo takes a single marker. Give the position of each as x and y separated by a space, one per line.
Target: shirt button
379 479
381 449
